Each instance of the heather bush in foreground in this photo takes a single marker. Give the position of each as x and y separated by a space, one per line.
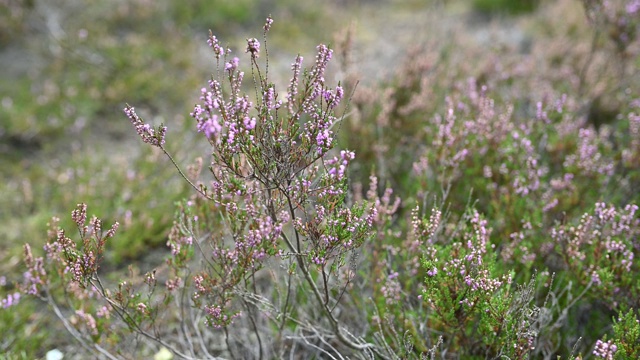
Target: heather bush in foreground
512 234
274 207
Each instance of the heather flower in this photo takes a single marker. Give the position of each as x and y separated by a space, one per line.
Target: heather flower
103 312
155 137
88 321
173 284
323 57
95 226
292 90
589 158
10 300
215 45
268 23
253 47
35 275
199 285
600 249
605 350
632 7
79 215
150 278
142 308
283 220
269 97
232 64
215 314
550 205
333 98
112 231
210 127
541 114
338 166
217 317
422 229
391 290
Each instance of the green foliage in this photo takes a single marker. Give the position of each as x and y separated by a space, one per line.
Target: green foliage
128 189
20 336
12 16
472 305
626 335
220 16
506 6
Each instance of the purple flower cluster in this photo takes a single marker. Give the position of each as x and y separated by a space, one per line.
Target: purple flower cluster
477 245
216 317
10 300
268 23
605 350
332 235
253 47
425 230
589 159
333 98
214 44
318 131
483 282
277 185
464 269
87 320
79 216
226 123
633 7
392 290
207 120
149 135
292 89
529 181
601 246
232 65
263 235
338 166
35 275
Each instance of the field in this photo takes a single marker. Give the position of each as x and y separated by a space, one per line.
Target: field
439 179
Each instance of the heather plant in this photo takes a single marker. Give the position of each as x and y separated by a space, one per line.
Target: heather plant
534 160
617 20
276 194
600 250
461 288
626 339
